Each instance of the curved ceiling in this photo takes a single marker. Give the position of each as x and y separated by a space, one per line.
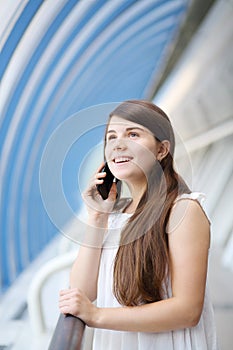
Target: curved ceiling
56 59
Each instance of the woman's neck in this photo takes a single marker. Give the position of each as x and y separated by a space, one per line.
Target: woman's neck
137 192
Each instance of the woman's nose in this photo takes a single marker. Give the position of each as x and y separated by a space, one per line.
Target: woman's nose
119 144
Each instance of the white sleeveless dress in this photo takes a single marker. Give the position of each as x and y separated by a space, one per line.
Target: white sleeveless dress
200 337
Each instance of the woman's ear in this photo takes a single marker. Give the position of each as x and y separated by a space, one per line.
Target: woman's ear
163 149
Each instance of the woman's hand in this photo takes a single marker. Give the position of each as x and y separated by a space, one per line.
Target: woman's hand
76 303
95 204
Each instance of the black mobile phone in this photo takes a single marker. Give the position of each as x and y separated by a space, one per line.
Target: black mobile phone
105 187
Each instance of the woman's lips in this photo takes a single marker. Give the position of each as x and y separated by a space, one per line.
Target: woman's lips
122 159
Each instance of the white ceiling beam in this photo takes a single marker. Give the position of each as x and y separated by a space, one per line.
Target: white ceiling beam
205 139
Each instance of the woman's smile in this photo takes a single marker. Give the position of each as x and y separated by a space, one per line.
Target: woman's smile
122 159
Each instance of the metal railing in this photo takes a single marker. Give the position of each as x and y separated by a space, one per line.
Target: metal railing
68 334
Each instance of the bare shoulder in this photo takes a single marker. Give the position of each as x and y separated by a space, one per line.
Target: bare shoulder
188 215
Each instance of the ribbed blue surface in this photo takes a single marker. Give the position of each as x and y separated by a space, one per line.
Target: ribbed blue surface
89 52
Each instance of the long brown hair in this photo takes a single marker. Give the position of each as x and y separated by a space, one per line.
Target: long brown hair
141 265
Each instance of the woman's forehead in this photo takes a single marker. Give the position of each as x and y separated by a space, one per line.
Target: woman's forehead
118 122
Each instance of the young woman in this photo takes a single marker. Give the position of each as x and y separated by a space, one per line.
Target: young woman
145 258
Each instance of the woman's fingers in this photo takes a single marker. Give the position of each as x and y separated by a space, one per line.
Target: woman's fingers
99 178
100 167
75 302
113 192
69 299
91 196
67 293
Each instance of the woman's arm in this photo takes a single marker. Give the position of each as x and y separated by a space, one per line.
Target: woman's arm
188 246
84 272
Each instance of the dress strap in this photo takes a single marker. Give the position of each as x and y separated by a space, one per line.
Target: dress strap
197 196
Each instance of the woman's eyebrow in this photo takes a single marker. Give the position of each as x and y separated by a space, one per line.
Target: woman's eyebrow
135 127
127 129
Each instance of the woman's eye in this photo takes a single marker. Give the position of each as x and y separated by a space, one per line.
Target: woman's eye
133 134
111 137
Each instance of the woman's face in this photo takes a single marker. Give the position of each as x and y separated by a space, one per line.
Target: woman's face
131 150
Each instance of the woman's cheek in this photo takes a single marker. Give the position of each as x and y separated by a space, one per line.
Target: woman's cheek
108 152
145 159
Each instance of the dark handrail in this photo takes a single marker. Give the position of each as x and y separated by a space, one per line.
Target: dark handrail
68 334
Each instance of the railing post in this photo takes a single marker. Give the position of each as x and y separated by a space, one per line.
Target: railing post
68 334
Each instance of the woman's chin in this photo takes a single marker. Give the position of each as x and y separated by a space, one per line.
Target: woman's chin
130 177
126 171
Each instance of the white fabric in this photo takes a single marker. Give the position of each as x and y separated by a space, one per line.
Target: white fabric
201 337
